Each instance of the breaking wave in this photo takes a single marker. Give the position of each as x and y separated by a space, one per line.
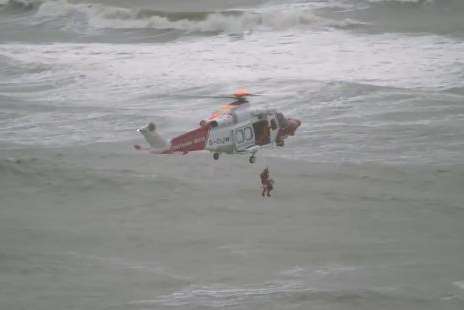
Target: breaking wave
95 18
11 68
19 5
401 1
275 293
99 17
419 3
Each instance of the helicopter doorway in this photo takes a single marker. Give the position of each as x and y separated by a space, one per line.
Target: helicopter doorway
262 132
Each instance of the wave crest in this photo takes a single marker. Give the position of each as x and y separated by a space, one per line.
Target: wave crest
19 5
98 17
455 4
401 1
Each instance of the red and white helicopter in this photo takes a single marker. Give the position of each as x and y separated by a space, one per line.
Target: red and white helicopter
234 129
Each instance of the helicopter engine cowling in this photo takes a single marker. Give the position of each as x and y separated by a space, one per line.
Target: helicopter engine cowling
225 120
241 115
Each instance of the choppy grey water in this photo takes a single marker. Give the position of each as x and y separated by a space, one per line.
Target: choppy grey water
368 207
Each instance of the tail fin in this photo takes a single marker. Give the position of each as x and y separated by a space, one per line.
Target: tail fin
152 136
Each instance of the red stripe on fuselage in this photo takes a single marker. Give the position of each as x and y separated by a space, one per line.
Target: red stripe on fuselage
194 140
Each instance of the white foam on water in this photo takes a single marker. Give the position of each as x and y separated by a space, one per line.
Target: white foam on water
97 16
220 296
402 1
459 284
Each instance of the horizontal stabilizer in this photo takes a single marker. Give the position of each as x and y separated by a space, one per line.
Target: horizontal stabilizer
152 137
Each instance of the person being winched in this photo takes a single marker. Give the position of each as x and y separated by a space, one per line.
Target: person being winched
266 182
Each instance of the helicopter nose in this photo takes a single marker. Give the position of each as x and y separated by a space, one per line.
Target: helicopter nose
293 125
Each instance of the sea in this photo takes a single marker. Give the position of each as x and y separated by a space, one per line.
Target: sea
367 210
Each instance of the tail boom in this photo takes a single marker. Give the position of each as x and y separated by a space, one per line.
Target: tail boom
194 140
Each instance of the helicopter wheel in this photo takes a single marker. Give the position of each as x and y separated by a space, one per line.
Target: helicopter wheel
252 159
216 156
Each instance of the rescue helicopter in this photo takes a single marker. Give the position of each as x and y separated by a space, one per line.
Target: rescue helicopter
235 128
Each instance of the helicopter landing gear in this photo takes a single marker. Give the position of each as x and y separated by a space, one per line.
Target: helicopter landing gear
216 156
252 158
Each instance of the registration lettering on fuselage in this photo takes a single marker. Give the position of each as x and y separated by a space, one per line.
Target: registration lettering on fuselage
219 141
